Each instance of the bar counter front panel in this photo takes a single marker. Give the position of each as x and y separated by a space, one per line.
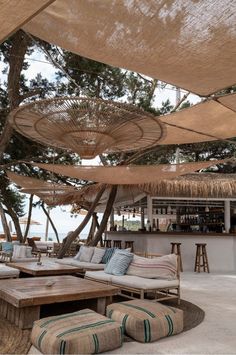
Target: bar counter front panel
221 248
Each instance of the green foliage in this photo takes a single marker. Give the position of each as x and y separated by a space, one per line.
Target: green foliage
129 225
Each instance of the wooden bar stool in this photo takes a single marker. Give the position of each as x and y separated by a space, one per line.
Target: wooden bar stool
117 244
107 243
201 257
175 249
129 244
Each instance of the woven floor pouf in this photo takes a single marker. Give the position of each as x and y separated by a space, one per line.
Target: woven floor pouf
82 332
146 321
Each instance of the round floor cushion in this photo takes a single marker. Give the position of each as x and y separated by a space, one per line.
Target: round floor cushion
146 321
82 332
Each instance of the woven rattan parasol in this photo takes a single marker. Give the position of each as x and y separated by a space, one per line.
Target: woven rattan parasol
87 126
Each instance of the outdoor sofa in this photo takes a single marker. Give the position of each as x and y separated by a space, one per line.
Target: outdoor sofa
157 287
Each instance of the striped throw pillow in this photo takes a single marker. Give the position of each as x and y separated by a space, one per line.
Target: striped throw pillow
163 267
108 254
119 263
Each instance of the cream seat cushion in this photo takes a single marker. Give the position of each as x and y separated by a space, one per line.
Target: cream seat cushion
8 272
142 283
99 275
81 264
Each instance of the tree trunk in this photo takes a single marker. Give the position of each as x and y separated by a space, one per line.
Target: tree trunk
15 220
51 222
105 217
78 230
5 224
92 228
29 218
20 43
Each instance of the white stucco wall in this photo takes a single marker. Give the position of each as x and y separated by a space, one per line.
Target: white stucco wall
221 249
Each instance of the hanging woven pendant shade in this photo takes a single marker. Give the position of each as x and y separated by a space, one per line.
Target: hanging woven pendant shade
87 126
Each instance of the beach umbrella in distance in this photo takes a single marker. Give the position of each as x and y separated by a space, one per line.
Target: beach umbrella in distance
24 220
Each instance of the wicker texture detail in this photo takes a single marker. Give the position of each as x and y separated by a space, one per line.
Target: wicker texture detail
87 126
82 332
146 321
174 41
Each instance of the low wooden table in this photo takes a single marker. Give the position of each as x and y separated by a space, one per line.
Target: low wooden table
20 299
47 268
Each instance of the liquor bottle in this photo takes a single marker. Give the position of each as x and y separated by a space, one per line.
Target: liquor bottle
154 225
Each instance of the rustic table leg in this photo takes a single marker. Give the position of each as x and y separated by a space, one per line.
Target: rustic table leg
101 305
22 317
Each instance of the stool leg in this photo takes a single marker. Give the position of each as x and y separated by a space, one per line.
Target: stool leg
206 260
195 267
180 257
172 248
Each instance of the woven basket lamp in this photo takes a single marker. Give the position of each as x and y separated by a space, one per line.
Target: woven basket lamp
87 126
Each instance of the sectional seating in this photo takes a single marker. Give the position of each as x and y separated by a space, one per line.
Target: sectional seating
89 258
82 332
156 277
7 272
15 252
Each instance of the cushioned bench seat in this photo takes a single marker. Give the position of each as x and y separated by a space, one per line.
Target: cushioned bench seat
142 283
138 285
132 281
82 332
7 272
84 265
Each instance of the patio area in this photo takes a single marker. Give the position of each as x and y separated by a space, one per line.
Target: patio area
215 335
215 294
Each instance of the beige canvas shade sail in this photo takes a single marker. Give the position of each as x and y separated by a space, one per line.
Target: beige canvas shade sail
229 101
51 193
88 126
33 184
126 175
15 13
190 44
208 121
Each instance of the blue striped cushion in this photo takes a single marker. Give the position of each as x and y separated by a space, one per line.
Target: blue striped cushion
108 254
119 263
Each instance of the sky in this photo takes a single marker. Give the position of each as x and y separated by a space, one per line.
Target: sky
61 215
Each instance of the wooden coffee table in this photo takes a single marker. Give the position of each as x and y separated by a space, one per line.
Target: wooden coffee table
20 299
47 268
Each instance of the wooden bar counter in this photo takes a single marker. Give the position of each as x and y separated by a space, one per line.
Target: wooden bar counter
221 248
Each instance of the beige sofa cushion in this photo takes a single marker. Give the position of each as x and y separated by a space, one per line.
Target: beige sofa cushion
163 267
146 321
81 264
142 283
21 251
99 275
8 272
